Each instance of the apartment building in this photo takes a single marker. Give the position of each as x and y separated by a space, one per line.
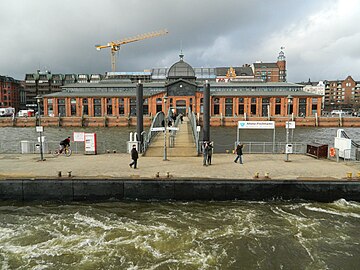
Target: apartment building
10 92
342 94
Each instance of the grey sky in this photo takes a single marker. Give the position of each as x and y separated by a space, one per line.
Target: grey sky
321 38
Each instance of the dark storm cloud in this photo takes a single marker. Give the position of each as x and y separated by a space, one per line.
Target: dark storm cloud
60 35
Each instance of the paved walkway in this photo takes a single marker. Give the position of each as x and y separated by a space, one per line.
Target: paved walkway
184 145
223 167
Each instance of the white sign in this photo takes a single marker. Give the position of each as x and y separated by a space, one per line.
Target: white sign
256 124
172 128
39 129
198 128
158 129
90 143
79 136
290 124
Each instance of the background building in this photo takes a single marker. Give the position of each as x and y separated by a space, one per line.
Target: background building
10 92
115 96
315 88
342 94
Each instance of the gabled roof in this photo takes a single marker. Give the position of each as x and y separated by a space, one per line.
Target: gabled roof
181 80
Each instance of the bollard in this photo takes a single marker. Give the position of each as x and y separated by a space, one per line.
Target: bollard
157 175
69 173
167 174
108 151
114 151
59 173
358 174
349 175
256 175
267 175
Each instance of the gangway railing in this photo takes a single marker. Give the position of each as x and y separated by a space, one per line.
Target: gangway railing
158 121
343 133
193 124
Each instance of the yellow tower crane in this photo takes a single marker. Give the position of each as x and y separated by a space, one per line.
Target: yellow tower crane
115 45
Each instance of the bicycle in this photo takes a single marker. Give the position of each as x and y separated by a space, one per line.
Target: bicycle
66 151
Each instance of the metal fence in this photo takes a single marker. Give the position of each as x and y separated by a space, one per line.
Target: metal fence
193 123
266 147
33 147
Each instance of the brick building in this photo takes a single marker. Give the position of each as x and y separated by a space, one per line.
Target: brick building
271 72
342 94
183 86
10 92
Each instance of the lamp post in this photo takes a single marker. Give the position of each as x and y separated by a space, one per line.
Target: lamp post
289 99
165 150
38 100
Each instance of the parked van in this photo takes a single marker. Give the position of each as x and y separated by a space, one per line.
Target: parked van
26 113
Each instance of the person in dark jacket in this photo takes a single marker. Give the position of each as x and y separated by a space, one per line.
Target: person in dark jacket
209 152
64 143
239 153
134 157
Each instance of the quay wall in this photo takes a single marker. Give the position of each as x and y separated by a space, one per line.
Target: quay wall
109 121
69 190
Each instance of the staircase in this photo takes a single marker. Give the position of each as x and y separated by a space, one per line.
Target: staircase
184 145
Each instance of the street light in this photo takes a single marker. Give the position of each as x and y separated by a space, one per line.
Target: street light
38 100
165 124
287 123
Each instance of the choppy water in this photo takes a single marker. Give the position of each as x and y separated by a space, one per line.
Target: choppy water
223 137
175 235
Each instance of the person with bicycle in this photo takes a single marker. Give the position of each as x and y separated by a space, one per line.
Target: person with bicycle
64 143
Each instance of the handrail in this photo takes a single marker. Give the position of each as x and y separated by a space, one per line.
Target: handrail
193 123
156 122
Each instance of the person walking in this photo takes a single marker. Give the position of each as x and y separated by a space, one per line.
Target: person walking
209 152
134 157
239 153
205 153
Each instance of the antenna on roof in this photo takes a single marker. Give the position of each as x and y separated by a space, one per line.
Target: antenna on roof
181 55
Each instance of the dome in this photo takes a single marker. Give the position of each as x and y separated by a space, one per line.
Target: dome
181 69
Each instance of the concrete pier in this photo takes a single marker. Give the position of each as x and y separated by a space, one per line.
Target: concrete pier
105 177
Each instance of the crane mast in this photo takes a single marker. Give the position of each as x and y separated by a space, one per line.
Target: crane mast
116 45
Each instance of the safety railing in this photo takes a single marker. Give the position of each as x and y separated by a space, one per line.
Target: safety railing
33 147
193 124
158 121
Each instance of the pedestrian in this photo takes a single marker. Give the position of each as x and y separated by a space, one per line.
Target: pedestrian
239 153
181 118
209 152
205 152
134 157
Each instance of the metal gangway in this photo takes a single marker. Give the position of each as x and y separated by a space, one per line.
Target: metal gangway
158 121
194 129
177 141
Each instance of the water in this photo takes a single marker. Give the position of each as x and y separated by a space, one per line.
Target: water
223 137
178 235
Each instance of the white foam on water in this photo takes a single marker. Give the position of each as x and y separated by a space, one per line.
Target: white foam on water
332 212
